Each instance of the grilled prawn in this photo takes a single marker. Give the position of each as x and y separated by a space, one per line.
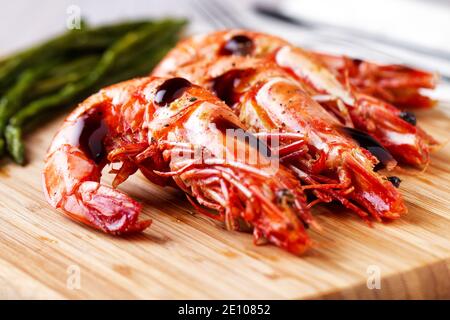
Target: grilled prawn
396 130
271 102
176 134
396 84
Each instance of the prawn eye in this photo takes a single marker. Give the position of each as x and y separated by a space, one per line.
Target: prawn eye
408 117
238 45
373 146
357 62
171 90
223 86
395 181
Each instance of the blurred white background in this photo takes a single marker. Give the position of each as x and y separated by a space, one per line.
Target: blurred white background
414 32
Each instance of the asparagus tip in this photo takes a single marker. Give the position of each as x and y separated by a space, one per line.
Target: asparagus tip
15 144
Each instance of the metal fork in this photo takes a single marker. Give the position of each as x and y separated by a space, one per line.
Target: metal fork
218 15
221 16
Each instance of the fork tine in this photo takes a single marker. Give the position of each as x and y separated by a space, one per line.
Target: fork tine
205 13
218 14
227 13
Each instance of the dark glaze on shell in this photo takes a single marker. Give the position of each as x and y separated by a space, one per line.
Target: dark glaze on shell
171 90
92 132
238 45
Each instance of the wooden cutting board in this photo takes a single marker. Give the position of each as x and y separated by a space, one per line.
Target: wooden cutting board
184 255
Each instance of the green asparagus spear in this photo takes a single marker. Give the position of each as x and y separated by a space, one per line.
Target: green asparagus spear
64 74
30 86
11 101
126 44
74 71
141 67
79 40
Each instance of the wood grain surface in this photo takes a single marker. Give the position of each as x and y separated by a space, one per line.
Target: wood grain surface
185 255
